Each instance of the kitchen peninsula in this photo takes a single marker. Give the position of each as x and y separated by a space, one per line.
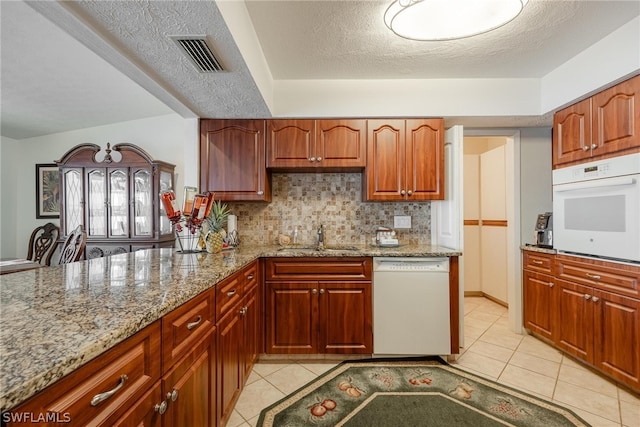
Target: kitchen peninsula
55 320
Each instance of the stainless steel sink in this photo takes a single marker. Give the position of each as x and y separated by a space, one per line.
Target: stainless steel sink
316 249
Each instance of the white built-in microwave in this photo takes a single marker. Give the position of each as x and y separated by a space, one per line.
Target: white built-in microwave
596 208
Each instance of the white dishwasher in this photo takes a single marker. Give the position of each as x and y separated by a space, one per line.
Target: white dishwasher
411 306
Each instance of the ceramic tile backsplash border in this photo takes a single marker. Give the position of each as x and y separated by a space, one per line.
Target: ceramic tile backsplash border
306 200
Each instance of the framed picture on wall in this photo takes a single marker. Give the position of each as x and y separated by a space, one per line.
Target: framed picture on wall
47 191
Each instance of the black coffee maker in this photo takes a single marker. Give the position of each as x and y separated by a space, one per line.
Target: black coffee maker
543 234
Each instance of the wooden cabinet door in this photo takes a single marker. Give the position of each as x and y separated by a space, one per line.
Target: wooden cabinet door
232 160
424 145
573 325
251 329
539 303
229 363
572 133
290 143
291 317
341 143
616 118
617 336
386 160
345 319
145 412
189 387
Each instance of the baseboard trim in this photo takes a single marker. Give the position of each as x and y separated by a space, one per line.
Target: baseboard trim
482 294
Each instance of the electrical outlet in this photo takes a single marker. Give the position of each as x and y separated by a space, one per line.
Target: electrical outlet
401 221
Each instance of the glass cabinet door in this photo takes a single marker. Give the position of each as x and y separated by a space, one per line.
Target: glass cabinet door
97 201
166 183
74 206
142 203
118 203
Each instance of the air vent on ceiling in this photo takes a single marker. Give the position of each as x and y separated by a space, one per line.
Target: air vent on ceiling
200 53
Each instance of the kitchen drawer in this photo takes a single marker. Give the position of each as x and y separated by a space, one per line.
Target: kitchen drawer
609 276
250 274
310 268
122 375
537 261
229 292
185 326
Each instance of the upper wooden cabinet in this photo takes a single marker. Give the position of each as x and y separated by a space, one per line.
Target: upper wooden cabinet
114 196
232 160
311 144
599 126
405 160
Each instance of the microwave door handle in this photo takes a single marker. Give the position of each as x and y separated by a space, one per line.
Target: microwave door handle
608 182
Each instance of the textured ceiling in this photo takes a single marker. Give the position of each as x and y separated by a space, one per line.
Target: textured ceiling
55 80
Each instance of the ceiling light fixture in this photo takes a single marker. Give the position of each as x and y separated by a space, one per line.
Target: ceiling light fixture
449 19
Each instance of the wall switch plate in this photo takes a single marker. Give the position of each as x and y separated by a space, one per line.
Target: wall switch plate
401 221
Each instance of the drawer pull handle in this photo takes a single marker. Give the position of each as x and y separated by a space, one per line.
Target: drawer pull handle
322 291
551 284
535 261
161 408
593 276
587 296
250 277
192 325
99 398
173 396
231 293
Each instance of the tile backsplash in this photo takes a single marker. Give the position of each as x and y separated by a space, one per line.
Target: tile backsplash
306 200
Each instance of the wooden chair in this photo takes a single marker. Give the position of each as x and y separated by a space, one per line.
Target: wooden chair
73 248
42 243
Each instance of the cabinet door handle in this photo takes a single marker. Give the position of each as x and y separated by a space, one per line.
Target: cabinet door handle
314 291
243 311
312 159
551 284
535 261
587 296
161 408
595 299
403 192
192 325
409 192
593 276
260 193
594 146
173 395
231 293
250 277
322 291
319 159
99 398
585 148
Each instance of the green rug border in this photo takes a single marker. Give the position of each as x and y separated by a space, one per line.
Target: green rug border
413 359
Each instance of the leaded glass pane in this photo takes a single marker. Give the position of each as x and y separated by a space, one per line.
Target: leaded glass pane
143 206
73 199
97 201
119 203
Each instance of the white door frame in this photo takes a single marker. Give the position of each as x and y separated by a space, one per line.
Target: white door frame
514 263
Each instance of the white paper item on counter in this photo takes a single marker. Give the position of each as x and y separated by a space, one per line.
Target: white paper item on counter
232 223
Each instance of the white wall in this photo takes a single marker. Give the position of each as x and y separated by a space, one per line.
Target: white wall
169 138
535 178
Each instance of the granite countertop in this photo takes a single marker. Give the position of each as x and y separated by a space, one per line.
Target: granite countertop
532 248
55 319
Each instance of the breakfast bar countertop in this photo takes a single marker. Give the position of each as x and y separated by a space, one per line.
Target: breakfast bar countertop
54 320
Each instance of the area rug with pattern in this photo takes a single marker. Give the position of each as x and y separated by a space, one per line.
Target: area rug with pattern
412 393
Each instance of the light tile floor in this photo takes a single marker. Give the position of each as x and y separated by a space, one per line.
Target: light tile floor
491 350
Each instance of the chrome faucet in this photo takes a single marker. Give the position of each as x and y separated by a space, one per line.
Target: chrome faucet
321 237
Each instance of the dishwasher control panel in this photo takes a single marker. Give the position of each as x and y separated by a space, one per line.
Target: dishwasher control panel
439 264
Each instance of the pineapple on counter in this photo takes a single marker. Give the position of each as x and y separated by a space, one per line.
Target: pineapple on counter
216 220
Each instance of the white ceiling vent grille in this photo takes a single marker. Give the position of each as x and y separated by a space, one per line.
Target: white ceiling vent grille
199 53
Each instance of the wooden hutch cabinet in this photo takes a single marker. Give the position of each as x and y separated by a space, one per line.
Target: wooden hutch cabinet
115 198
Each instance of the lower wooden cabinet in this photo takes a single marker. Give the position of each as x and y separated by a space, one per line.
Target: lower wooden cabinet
230 364
328 309
146 411
583 306
539 298
190 387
